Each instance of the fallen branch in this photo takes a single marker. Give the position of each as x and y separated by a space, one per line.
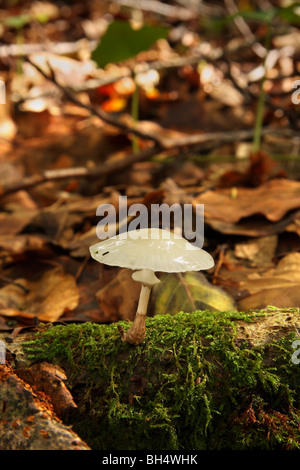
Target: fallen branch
61 48
166 144
159 8
221 137
244 29
78 172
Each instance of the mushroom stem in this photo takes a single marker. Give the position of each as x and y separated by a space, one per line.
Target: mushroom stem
137 332
143 300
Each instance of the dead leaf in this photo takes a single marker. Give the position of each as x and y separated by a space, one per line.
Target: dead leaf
174 194
68 72
284 297
8 128
261 168
13 223
47 299
259 252
119 298
21 244
279 286
254 226
272 200
225 93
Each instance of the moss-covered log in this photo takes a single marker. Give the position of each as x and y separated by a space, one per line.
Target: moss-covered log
199 381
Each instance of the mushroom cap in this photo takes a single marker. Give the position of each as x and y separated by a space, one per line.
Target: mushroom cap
151 248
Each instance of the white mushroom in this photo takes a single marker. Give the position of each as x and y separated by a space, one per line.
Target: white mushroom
147 251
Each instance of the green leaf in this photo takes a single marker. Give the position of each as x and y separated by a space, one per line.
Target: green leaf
290 13
121 42
263 16
17 21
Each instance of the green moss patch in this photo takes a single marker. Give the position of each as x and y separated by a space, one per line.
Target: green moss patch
192 384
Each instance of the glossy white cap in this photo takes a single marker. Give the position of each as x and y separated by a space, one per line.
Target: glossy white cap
155 249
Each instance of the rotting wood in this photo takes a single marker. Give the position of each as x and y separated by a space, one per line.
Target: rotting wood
27 421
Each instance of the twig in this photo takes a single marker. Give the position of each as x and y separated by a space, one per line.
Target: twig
175 62
160 8
221 137
244 29
15 283
203 8
61 48
79 172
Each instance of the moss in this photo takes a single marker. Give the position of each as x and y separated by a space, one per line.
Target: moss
190 385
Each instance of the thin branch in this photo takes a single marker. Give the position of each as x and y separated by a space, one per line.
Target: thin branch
8 280
79 172
175 62
244 29
203 8
222 137
61 48
160 8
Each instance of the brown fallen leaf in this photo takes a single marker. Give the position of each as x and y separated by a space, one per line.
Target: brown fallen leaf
273 199
174 194
119 298
258 252
256 226
261 168
13 223
68 72
47 299
11 247
279 286
284 297
8 127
